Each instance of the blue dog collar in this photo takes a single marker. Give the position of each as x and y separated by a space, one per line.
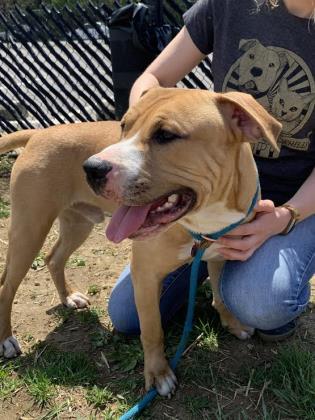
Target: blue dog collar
210 237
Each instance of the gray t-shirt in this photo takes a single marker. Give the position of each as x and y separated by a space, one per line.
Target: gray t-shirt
270 54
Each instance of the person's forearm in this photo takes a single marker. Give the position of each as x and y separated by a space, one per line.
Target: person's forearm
304 199
143 83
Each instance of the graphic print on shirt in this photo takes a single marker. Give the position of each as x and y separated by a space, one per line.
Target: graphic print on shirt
280 81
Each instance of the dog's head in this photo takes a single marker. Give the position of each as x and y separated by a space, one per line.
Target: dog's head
259 66
177 153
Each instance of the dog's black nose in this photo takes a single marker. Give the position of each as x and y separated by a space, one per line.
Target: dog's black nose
256 71
96 170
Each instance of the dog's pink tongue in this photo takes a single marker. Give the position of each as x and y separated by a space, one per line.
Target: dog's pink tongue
125 221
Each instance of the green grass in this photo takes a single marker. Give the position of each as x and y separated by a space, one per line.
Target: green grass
127 385
126 356
99 397
90 316
126 393
87 316
108 377
4 209
198 367
77 262
6 164
39 386
54 411
209 336
38 262
63 314
94 289
28 338
290 379
66 368
9 382
99 338
197 404
48 367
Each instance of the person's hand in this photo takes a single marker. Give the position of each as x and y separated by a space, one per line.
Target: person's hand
242 242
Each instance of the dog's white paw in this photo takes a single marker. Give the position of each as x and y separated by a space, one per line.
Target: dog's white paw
246 334
77 300
10 348
166 384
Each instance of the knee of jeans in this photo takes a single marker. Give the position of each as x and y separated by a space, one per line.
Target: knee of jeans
123 313
263 310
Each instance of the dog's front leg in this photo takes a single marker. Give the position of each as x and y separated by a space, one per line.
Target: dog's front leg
147 275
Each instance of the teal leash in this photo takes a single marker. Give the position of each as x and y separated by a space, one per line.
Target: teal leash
150 395
202 242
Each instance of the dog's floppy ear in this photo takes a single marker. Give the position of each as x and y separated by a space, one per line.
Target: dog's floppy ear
247 44
248 119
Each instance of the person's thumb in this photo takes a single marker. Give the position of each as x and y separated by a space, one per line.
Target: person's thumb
265 206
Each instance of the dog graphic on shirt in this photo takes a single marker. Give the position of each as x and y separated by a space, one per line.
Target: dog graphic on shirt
280 81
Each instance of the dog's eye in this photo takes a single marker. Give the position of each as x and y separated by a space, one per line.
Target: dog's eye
163 136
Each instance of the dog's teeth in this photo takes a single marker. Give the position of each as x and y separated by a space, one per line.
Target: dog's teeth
172 198
165 206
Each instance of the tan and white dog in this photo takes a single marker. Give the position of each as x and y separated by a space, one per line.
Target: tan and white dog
183 163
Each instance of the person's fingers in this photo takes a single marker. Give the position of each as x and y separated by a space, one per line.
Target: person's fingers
265 206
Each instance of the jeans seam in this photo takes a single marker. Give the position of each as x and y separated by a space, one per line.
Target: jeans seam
302 277
174 280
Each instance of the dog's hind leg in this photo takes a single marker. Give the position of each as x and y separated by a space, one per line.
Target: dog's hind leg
228 320
25 240
74 229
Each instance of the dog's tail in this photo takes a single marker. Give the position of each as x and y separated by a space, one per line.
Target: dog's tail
15 140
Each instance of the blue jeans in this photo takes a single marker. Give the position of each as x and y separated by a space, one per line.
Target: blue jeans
265 292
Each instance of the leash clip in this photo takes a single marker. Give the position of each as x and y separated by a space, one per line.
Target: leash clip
204 243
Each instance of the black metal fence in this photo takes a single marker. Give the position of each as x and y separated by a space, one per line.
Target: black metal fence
56 67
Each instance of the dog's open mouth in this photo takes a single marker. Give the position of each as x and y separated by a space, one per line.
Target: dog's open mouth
141 221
